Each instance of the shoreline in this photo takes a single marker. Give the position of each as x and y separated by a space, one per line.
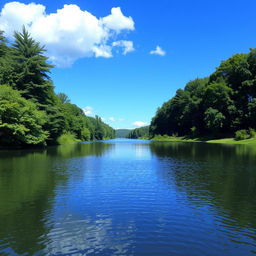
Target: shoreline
230 141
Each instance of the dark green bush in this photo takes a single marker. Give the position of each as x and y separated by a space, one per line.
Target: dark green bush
241 135
252 133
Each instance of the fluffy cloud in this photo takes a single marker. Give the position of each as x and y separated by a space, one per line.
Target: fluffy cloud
158 51
104 51
88 111
117 21
139 124
70 33
126 45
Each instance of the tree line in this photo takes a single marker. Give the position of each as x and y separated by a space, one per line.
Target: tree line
31 113
215 106
142 132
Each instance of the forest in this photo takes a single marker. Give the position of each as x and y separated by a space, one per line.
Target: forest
218 106
31 113
142 132
122 133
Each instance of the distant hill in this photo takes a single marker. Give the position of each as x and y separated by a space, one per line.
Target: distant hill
139 133
122 133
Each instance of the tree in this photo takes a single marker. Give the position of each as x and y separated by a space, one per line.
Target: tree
6 70
20 121
33 114
31 70
3 46
63 98
86 135
99 129
222 103
139 132
214 120
234 71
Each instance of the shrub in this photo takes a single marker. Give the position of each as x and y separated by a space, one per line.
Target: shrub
241 135
86 135
252 133
67 138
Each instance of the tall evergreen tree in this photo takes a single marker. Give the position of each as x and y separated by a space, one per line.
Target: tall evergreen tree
31 69
3 46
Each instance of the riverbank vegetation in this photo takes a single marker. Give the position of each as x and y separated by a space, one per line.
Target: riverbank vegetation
122 133
139 133
166 138
222 105
31 113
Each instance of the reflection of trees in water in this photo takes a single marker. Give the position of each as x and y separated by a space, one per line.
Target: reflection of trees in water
80 149
28 180
223 175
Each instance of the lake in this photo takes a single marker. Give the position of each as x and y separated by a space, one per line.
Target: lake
129 197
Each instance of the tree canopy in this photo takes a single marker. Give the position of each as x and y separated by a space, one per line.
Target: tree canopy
31 113
217 105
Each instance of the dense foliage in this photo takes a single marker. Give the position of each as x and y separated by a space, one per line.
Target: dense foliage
30 111
142 132
216 106
122 133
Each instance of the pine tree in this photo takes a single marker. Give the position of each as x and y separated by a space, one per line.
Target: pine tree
3 46
31 70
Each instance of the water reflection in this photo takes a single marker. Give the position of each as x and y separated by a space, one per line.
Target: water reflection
29 182
220 176
93 237
126 197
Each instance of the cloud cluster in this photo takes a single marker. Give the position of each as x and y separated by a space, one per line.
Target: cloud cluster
70 33
139 124
88 111
158 51
127 46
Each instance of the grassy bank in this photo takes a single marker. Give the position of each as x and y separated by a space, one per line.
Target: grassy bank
67 138
233 141
206 140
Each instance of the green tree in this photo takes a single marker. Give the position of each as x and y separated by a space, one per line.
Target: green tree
86 135
3 46
55 122
139 132
31 70
6 69
99 129
63 98
214 120
20 121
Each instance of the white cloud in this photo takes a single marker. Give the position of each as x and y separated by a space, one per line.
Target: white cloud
68 34
112 119
139 124
117 21
126 45
103 51
158 51
88 111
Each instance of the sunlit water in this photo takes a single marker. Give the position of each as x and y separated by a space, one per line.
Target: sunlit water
127 197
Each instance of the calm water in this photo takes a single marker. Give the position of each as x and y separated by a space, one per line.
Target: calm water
126 197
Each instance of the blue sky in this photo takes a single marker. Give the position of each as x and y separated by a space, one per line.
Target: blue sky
127 88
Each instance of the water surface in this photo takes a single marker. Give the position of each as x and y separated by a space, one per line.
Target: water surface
129 197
